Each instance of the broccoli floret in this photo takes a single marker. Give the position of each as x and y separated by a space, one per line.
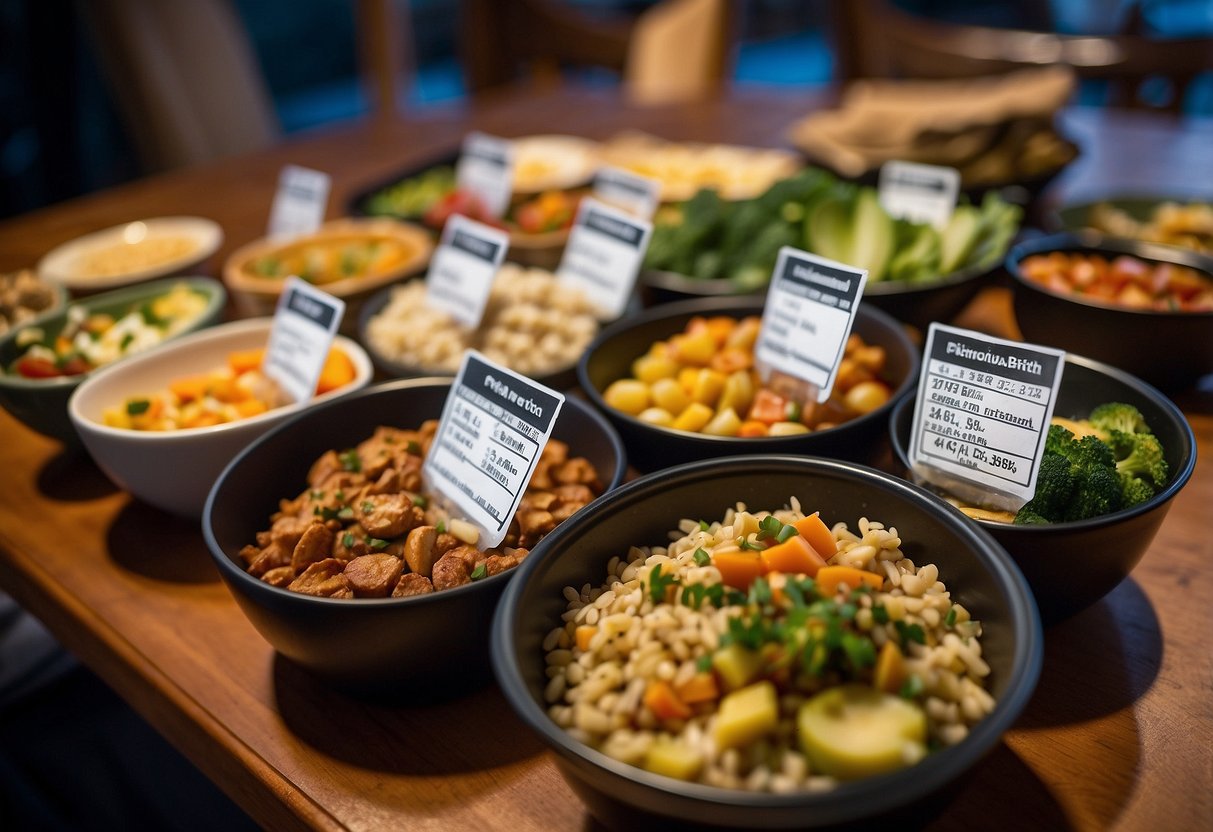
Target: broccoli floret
1118 416
1096 492
1054 487
1027 517
1058 439
1139 455
1090 452
1134 490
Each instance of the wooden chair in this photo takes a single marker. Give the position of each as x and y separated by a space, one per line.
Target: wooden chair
676 50
875 39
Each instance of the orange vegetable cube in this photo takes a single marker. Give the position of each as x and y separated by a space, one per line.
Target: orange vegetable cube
769 407
338 371
814 530
242 361
190 388
251 407
661 699
701 687
752 427
795 556
583 635
738 569
829 578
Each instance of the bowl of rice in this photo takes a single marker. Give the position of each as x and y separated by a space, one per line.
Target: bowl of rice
767 642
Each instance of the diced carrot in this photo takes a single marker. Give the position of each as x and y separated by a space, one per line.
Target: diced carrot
701 687
768 407
818 534
738 569
584 633
226 389
189 388
251 407
660 698
890 671
721 327
795 556
730 360
830 577
752 427
242 361
338 371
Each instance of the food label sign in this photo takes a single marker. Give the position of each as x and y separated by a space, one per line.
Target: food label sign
918 193
300 202
631 192
808 316
603 255
982 415
494 427
463 267
486 169
304 325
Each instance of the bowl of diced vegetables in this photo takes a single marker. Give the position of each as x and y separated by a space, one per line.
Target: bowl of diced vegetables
1117 454
747 643
678 382
1144 307
44 361
917 273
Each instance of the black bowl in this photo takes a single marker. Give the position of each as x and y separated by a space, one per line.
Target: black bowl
436 643
650 447
1072 565
976 569
1170 350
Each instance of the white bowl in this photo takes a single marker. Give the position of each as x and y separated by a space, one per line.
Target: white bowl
67 264
174 470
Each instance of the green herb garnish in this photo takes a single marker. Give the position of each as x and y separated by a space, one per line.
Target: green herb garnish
911 688
137 407
350 461
703 526
704 663
949 620
367 506
347 540
747 545
345 513
126 341
414 448
376 543
910 632
421 501
480 571
441 527
701 557
658 584
879 614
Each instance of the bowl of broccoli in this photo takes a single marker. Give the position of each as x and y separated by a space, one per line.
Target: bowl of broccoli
1116 455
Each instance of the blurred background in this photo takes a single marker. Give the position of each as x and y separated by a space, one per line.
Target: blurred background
65 128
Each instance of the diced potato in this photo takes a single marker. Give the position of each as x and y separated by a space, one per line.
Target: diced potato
693 418
696 349
668 394
629 395
736 665
787 429
746 714
650 368
673 759
856 731
738 392
890 668
724 423
708 386
744 334
687 377
866 396
656 416
463 530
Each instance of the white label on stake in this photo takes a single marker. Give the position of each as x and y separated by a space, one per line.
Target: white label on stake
300 202
631 192
486 169
603 255
304 325
494 427
918 193
982 415
463 267
807 317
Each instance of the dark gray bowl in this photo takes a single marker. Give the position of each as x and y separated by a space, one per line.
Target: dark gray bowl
1170 350
976 569
433 644
650 447
1072 565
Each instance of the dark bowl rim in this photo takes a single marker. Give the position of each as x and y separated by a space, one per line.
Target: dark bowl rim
1055 222
231 571
927 775
375 303
1095 242
217 297
745 304
1178 480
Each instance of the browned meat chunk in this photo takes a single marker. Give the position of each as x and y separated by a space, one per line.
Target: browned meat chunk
322 578
533 526
412 584
419 549
373 576
470 555
350 543
555 451
388 482
271 557
576 470
537 500
279 576
496 564
286 531
387 515
574 493
314 545
444 543
451 571
323 467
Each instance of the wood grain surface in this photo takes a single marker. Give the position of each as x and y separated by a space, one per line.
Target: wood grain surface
1118 736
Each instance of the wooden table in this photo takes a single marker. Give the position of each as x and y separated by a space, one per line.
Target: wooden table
1119 734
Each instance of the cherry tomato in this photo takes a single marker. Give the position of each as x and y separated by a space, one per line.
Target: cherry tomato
37 368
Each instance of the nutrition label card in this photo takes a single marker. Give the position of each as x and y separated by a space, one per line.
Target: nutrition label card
304 325
299 203
982 414
917 192
808 315
603 255
631 192
486 168
494 427
463 268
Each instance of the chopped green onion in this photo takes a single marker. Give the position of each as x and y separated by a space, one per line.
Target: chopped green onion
347 540
658 584
787 533
911 688
480 571
704 663
747 545
137 407
350 461
345 513
704 526
879 614
421 501
367 506
950 619
376 543
910 632
414 448
701 558
441 527
793 412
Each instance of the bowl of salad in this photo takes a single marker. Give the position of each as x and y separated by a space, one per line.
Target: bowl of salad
767 642
43 362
